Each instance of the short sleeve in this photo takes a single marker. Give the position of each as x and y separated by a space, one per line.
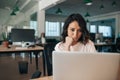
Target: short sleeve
59 47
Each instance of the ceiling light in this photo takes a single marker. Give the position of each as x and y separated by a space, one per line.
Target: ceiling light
88 2
59 11
13 13
113 3
102 6
87 20
87 15
102 22
16 9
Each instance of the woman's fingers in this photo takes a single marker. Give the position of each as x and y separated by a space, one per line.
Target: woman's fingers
68 40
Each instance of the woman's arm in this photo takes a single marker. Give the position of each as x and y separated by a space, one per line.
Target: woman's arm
68 43
64 46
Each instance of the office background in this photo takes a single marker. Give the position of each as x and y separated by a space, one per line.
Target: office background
33 14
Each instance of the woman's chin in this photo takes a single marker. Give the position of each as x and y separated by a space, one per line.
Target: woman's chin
75 40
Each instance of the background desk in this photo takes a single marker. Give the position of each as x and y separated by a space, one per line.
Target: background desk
101 46
44 78
35 50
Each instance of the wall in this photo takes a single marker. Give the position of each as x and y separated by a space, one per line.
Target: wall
42 6
115 15
24 18
55 18
45 4
4 16
115 25
41 22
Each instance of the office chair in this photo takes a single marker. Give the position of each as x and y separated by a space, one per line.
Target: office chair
48 48
37 74
118 45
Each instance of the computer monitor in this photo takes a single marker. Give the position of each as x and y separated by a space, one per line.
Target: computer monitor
99 36
92 37
19 35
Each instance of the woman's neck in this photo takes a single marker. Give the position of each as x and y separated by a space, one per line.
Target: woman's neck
74 43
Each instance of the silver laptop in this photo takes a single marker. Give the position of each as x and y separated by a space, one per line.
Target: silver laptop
85 66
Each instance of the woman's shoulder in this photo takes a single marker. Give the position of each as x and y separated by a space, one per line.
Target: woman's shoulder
59 46
90 42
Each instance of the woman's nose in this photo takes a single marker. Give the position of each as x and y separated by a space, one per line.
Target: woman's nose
75 34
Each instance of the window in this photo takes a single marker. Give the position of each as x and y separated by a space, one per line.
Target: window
93 29
106 30
62 24
33 25
9 28
52 29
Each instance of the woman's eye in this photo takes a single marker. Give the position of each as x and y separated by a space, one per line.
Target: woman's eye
80 30
72 29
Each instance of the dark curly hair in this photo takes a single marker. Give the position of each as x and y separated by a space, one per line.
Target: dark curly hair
76 17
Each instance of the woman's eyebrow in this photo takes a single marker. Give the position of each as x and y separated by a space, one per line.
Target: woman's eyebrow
71 27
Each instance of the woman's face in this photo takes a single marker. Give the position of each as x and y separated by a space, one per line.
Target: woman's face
74 31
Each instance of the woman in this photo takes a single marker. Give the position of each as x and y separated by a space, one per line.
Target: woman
75 36
43 40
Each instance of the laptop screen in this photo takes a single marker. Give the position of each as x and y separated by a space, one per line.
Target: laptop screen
85 66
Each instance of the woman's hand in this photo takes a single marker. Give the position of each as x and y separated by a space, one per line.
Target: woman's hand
68 43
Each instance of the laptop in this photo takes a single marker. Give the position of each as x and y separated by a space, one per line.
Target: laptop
85 66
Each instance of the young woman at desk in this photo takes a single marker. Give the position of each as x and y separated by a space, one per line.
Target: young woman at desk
75 36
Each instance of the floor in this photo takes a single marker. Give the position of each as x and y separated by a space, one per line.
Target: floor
9 69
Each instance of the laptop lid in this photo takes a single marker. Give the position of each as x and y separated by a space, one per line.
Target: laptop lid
85 66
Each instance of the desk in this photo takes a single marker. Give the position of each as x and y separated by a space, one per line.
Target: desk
51 78
99 46
44 78
29 50
104 44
